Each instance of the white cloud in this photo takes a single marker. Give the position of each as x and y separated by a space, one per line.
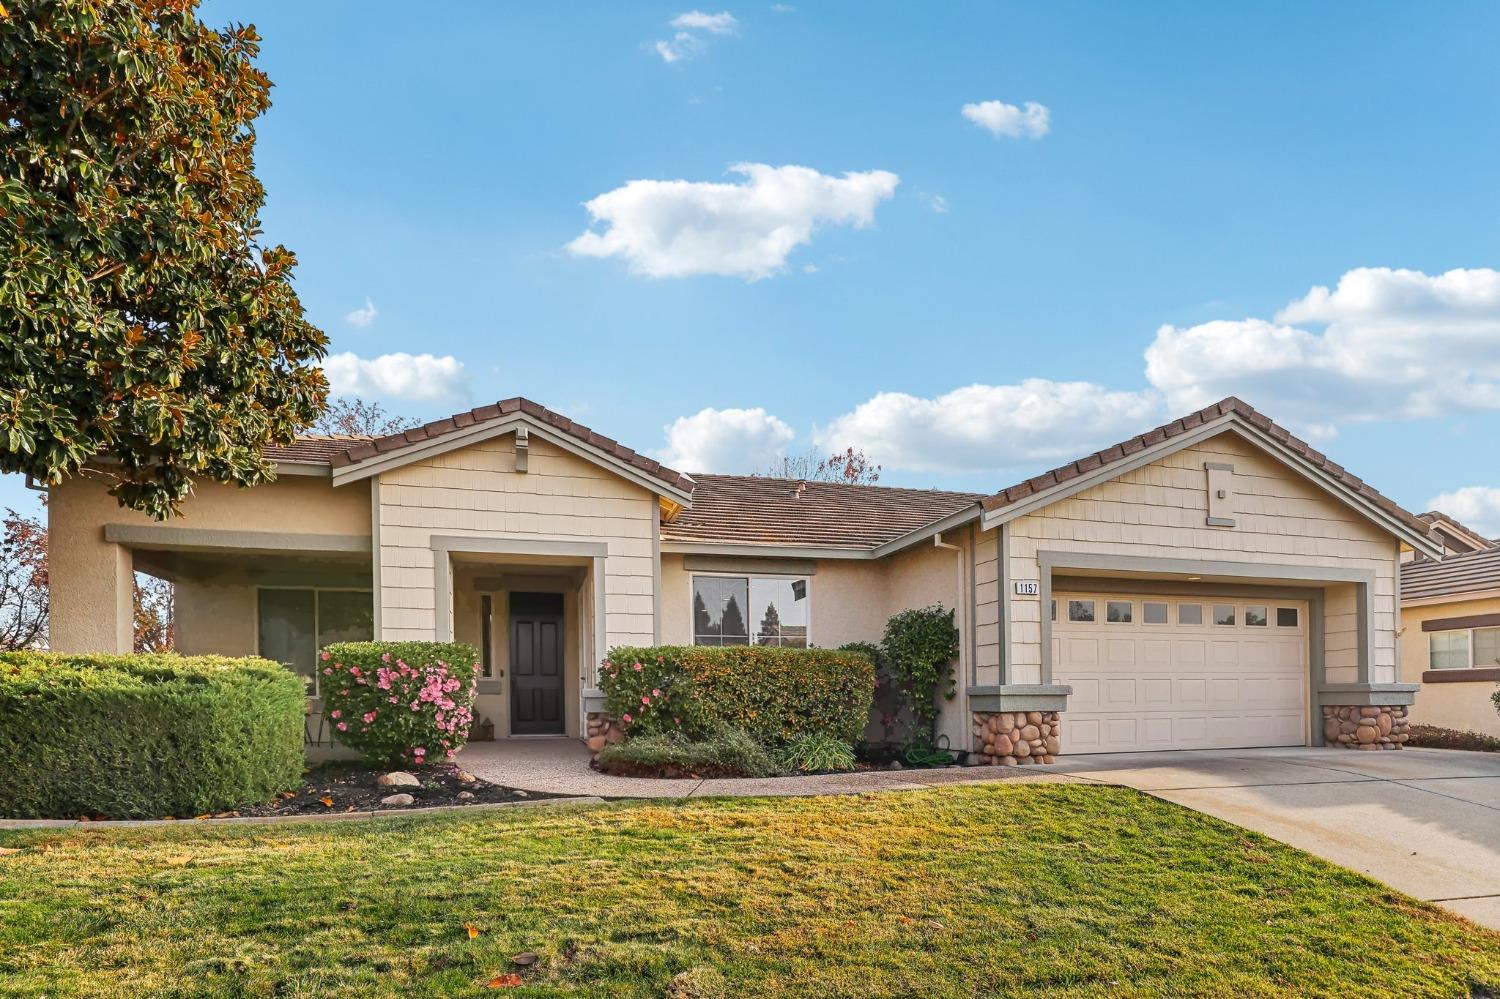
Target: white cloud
689 41
1475 506
725 440
1394 344
362 317
983 428
396 376
722 23
783 8
678 228
999 118
936 202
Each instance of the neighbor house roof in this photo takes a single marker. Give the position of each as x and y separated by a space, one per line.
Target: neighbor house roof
1457 537
1230 407
1455 576
343 452
755 510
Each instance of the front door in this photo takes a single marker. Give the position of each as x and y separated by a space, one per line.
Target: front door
536 664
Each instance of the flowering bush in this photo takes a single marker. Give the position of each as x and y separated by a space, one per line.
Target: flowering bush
776 695
399 702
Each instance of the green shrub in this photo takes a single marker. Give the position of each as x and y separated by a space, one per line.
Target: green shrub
776 695
729 752
920 646
145 736
816 754
400 702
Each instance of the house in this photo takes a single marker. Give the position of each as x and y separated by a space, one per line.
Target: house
1450 629
1211 583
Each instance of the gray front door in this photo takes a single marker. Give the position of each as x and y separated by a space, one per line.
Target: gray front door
536 664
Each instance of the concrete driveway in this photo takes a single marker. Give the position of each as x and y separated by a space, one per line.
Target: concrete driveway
1425 821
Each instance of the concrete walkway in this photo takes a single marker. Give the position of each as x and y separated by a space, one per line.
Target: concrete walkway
1425 821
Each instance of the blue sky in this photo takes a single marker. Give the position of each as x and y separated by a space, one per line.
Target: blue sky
970 297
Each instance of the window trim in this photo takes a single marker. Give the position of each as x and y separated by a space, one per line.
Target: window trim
1468 634
316 691
747 577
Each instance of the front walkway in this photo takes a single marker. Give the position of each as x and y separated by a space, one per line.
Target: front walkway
1425 821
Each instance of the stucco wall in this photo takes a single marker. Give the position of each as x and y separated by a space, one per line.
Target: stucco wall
1463 706
476 491
91 578
215 617
1159 511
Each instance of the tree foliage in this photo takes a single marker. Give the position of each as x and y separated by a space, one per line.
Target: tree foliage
23 583
142 318
920 646
355 416
155 614
849 467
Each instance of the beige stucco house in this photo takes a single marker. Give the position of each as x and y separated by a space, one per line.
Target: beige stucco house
1450 629
1212 583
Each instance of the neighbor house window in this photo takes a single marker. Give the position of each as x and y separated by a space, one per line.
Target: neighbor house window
294 623
1081 610
750 610
1449 649
1486 646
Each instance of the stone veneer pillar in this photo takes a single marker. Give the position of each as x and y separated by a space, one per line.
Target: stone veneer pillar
602 731
1015 738
1367 727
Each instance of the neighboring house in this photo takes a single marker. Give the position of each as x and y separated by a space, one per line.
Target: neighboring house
1212 583
1450 630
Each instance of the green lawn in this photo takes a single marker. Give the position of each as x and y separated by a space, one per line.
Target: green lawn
1026 890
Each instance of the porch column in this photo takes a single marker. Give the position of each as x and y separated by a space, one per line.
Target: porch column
92 599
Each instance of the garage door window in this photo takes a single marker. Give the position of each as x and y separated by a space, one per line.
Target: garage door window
1154 613
1119 611
1255 617
1224 615
1081 611
1189 613
1286 617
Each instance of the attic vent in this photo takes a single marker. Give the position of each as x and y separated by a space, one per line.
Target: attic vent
523 448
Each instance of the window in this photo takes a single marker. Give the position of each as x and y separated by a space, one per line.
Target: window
1118 611
1224 614
1486 647
1154 613
750 610
1054 610
1286 617
1189 613
1255 617
1081 610
1449 649
293 624
486 639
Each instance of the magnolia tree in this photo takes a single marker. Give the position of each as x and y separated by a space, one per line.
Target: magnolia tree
143 319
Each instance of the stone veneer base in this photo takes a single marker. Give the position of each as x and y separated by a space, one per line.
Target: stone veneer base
602 731
1365 727
1016 738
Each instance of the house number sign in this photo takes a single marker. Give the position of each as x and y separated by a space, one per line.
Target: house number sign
1028 588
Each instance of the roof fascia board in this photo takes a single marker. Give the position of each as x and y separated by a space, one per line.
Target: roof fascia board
498 428
156 536
1061 491
763 551
316 469
933 529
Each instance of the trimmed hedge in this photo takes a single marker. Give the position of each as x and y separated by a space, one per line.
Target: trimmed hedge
400 702
727 753
145 736
776 695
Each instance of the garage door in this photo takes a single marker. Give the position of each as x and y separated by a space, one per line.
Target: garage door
1152 673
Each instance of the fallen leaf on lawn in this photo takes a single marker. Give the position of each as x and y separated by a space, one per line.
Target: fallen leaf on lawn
327 801
524 960
509 981
473 930
6 851
179 861
905 919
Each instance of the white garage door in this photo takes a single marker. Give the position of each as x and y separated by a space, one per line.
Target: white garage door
1152 673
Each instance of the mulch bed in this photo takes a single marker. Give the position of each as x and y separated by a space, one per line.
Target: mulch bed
348 786
1434 737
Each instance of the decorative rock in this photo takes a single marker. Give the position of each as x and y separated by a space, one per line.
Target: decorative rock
896 765
596 743
1003 745
397 800
463 795
398 778
1031 733
1366 726
1034 717
1016 738
464 777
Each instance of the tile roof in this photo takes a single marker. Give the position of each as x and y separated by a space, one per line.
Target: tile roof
1457 536
356 450
1455 575
758 510
1225 407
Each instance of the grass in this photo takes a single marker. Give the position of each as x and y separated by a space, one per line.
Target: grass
990 890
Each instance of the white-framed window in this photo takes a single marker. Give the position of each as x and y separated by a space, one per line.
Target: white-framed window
1191 614
1081 611
1256 616
1224 615
1119 611
1464 648
1286 617
1153 612
293 622
751 610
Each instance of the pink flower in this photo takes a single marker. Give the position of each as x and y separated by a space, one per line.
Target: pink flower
655 692
625 718
369 717
328 672
385 657
343 726
645 699
393 700
336 713
325 655
354 670
636 667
